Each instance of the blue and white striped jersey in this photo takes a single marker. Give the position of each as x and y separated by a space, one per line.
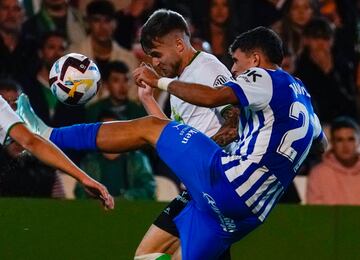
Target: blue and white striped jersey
278 128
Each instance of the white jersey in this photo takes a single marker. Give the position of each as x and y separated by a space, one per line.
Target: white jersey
204 69
8 118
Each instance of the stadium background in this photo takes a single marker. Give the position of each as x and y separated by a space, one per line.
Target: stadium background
59 229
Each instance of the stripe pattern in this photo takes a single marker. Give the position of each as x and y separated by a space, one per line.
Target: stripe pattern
259 188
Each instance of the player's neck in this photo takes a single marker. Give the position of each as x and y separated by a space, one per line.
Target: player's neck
269 66
189 56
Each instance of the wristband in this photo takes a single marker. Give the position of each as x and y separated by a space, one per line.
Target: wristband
163 83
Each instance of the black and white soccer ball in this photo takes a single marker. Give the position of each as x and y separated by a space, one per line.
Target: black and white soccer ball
74 79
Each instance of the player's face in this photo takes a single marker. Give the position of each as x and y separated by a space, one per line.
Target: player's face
345 142
301 12
118 85
165 57
53 49
11 15
219 11
101 27
242 62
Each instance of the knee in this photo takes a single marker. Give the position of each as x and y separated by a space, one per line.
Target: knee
156 121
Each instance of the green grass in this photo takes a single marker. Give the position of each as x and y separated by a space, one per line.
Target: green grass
53 229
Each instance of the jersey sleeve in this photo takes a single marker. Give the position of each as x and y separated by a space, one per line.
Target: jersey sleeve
318 132
8 118
253 88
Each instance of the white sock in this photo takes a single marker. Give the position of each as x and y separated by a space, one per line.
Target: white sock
152 256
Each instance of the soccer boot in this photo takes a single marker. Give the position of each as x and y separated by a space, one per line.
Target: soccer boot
27 114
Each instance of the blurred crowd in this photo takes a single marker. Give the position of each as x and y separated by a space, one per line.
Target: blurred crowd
321 46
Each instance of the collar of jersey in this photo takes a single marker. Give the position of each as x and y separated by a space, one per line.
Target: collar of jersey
194 57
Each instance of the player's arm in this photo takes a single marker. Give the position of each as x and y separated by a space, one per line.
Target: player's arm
196 94
229 129
49 154
152 107
319 145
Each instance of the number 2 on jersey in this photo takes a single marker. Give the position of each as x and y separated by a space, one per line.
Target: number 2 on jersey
293 135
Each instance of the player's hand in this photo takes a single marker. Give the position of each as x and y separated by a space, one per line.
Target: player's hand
145 93
145 75
225 136
99 191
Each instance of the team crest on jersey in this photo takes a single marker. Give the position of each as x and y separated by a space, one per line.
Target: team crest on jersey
220 80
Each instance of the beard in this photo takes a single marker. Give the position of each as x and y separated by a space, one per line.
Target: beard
173 70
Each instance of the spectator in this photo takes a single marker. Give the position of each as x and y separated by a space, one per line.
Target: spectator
100 45
21 174
296 15
128 175
15 52
328 77
219 28
129 21
116 79
56 16
336 180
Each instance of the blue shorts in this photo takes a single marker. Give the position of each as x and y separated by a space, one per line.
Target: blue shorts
216 216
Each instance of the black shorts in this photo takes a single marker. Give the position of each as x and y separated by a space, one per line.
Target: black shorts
165 220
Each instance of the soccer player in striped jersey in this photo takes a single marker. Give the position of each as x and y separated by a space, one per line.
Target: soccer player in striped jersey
233 194
12 126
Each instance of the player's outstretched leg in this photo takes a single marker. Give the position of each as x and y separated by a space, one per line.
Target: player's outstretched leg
121 136
114 136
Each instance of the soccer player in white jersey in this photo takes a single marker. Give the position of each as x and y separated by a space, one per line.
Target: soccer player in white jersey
12 126
165 38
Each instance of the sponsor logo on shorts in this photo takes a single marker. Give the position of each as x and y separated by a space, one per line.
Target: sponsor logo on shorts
177 127
227 224
181 197
167 210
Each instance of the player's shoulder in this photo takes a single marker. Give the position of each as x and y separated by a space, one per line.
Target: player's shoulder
2 101
209 60
255 75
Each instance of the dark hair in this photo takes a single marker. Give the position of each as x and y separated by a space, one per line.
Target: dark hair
343 122
159 24
101 7
9 84
114 66
285 9
261 38
49 35
319 28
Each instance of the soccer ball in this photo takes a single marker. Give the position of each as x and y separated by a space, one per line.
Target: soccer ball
74 79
